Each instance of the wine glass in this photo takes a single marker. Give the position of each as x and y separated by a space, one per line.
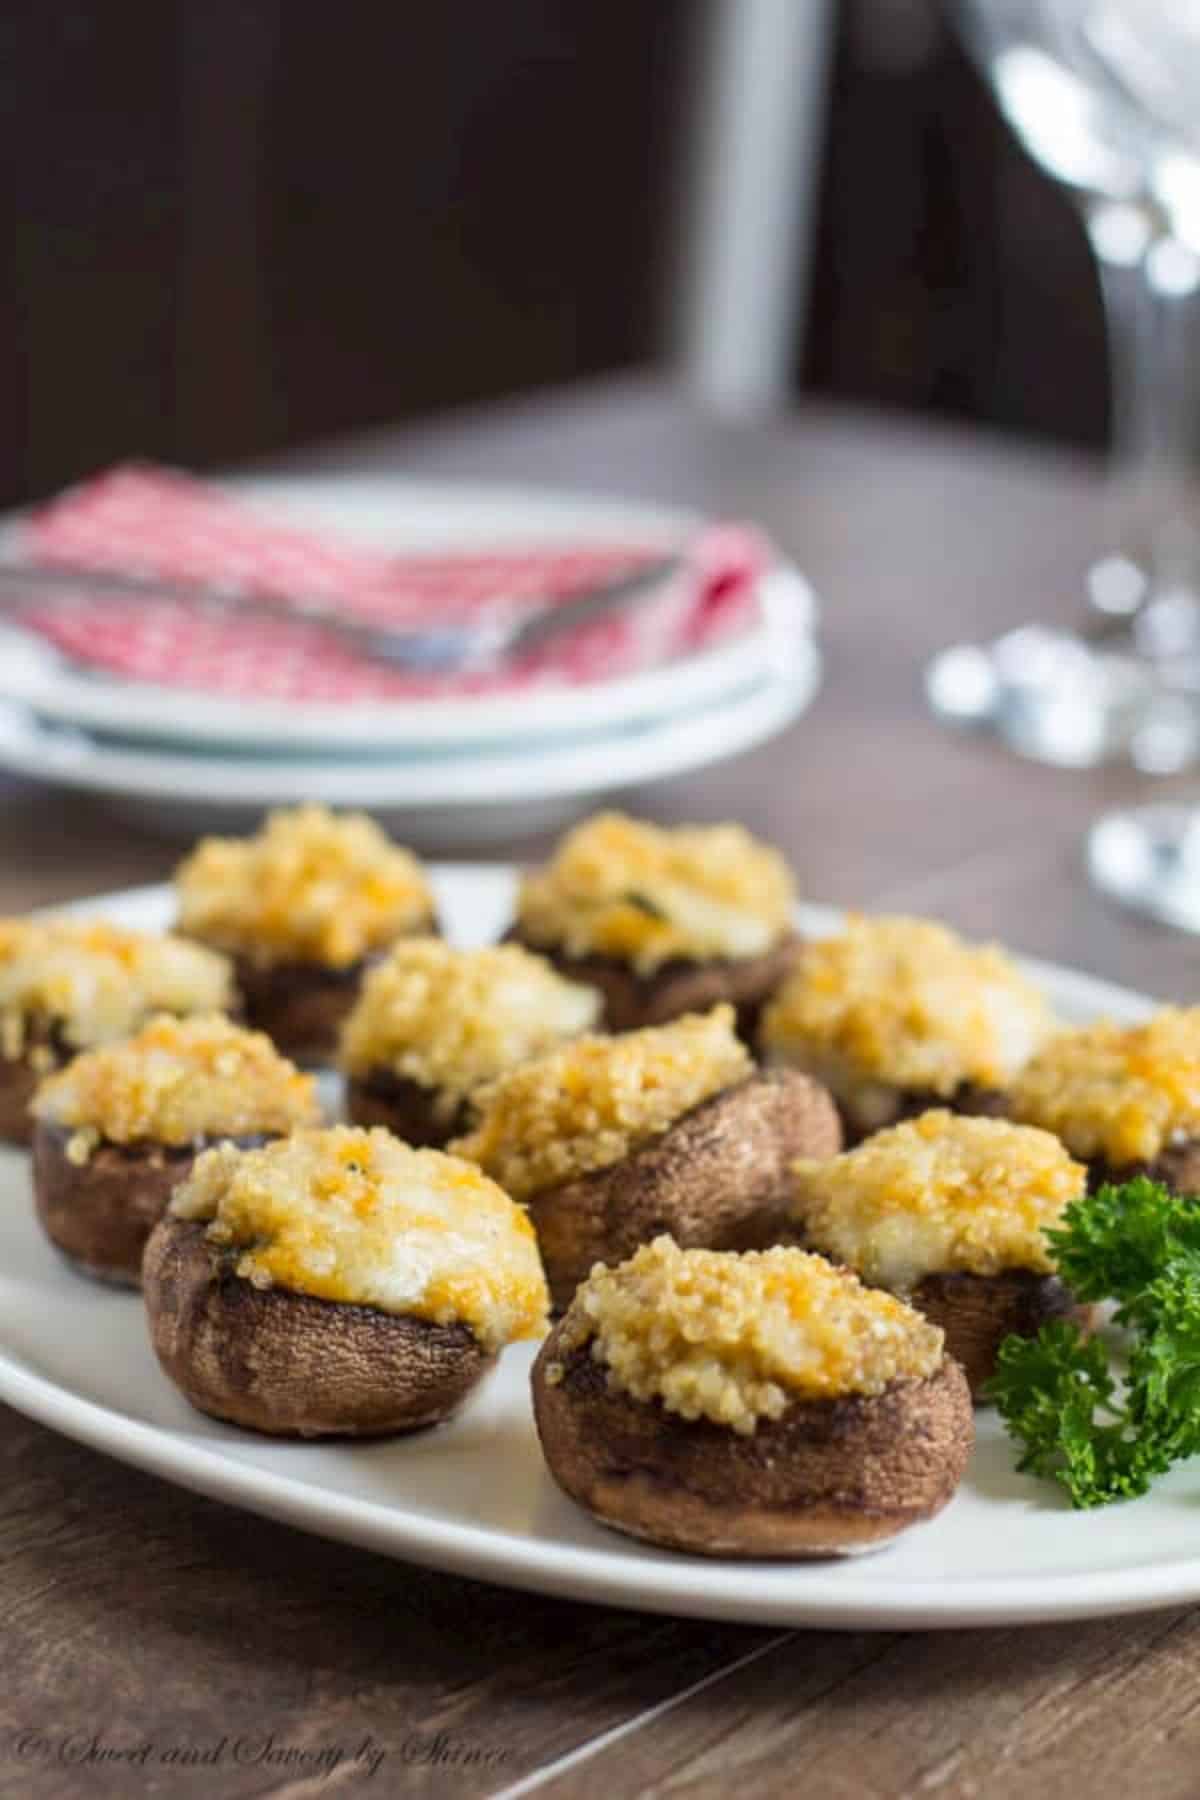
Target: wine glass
1148 857
1061 73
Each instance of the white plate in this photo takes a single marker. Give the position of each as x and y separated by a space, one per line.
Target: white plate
401 515
474 1497
490 788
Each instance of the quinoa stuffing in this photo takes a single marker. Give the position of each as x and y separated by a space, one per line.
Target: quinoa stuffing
587 1105
908 1004
1124 1093
93 982
312 886
620 887
939 1193
452 1020
734 1338
178 1081
358 1217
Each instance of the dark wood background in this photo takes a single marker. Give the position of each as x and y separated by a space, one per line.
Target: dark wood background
231 226
952 276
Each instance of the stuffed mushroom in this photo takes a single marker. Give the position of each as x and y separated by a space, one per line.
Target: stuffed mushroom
1124 1099
950 1213
303 909
663 921
612 1141
120 1127
764 1405
338 1283
898 1015
70 984
433 1025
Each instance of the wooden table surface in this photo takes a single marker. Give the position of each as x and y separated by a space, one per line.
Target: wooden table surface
134 1613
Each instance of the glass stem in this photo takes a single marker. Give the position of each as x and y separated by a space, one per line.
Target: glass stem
1173 278
1150 283
1121 236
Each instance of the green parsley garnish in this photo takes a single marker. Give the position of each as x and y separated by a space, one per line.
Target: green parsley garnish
1139 1245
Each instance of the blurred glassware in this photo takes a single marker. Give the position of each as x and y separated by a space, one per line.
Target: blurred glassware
1096 91
1148 859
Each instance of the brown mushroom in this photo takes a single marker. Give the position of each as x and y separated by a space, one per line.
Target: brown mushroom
977 1313
1122 1098
897 1015
300 1005
1177 1168
827 1478
121 1126
292 1365
968 1101
434 1025
303 907
338 1282
74 983
100 1211
408 1108
718 1179
951 1213
19 1077
879 1106
677 986
663 920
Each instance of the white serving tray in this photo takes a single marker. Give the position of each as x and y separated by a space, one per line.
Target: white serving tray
474 1496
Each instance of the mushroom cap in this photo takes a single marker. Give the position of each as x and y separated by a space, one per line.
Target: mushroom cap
827 1478
100 1212
404 1107
678 986
1177 1168
900 1104
291 1365
300 1005
977 1313
18 1083
717 1179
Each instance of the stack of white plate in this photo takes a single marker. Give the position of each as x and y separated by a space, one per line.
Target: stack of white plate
443 771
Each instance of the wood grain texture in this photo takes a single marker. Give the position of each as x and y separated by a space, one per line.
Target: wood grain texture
138 1612
1050 1712
131 1608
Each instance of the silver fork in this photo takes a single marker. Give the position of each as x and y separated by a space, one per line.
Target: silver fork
444 648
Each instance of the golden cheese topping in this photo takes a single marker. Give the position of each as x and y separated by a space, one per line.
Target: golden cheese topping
358 1217
896 1003
733 1338
454 1019
95 982
588 1104
179 1080
937 1194
311 887
1124 1093
623 888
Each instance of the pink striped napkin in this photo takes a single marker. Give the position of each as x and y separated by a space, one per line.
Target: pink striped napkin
148 521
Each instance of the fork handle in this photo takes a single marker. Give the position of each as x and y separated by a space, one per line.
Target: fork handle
608 597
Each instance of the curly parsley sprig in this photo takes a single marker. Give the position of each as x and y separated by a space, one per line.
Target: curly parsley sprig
1139 1245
